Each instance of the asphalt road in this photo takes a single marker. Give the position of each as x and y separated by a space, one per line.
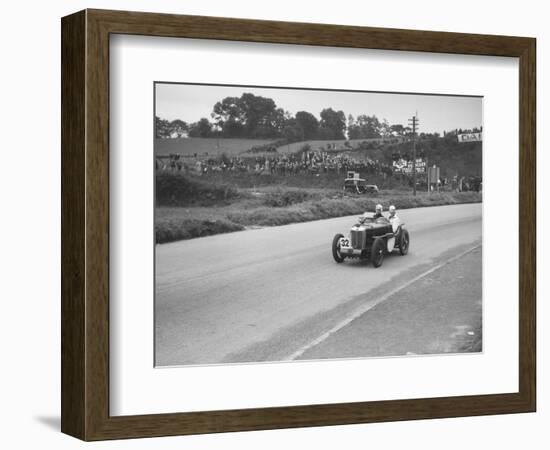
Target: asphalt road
438 313
268 294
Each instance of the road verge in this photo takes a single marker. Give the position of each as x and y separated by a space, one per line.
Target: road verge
260 210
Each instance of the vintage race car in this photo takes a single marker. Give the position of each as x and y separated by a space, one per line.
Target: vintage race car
371 238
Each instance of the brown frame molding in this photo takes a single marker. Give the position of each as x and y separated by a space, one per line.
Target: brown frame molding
85 224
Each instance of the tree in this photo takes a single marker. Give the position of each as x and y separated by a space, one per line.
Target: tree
366 127
178 127
228 109
397 129
351 124
335 121
272 125
325 134
260 114
385 128
308 123
229 117
292 131
249 115
162 128
202 128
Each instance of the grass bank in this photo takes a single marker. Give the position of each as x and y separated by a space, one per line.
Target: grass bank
281 206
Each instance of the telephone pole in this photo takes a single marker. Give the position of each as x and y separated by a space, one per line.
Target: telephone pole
413 121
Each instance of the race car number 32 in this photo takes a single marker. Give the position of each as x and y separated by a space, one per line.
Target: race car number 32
344 242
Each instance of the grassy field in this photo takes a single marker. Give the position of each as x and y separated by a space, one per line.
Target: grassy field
334 144
229 146
217 210
202 146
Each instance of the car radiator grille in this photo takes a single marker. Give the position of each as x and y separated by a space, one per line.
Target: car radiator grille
357 239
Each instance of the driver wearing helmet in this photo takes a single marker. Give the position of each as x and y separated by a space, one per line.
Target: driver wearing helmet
378 212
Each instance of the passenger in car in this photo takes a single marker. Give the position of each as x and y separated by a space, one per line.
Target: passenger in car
394 218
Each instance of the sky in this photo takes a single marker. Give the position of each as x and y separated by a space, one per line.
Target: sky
191 102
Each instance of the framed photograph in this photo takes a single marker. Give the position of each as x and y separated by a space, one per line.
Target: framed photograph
273 225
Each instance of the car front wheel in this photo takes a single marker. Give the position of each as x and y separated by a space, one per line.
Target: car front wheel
377 252
336 248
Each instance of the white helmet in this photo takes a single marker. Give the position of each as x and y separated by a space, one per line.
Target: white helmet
379 207
392 208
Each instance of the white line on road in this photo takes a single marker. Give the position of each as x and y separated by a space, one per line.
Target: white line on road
364 308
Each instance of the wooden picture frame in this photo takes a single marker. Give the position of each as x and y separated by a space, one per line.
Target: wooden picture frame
85 224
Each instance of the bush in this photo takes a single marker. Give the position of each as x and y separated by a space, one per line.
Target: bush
180 229
285 197
270 147
176 189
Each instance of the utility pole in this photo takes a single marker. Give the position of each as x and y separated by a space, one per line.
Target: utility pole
414 123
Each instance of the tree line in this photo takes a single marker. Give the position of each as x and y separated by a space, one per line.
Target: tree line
254 116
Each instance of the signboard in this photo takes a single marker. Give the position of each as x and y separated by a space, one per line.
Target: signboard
470 137
405 166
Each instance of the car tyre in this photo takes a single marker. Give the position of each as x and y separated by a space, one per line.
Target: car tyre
377 252
404 242
336 249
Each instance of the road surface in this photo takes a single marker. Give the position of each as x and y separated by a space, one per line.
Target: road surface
271 294
438 313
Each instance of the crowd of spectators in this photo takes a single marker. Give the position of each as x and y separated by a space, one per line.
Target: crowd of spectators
306 162
464 184
315 162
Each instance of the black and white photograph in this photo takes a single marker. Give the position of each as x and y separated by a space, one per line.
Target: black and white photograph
296 224
268 225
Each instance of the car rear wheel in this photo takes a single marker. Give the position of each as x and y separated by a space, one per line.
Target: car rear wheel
377 252
404 242
336 248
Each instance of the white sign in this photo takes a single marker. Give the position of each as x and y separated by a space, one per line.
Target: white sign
406 166
470 137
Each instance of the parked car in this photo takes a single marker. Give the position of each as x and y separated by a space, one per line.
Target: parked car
358 185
